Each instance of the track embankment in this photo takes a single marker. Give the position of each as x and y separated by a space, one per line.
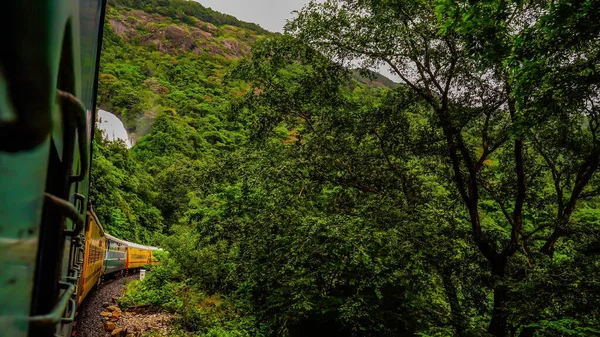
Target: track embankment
99 315
89 318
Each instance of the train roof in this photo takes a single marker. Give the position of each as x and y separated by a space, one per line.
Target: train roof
137 245
112 238
127 243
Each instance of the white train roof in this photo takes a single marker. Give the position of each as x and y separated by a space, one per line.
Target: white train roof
131 244
137 245
112 238
155 248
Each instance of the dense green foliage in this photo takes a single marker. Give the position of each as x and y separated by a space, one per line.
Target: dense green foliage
123 193
464 202
211 316
177 97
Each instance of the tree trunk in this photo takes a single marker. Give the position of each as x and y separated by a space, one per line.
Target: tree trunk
499 323
457 318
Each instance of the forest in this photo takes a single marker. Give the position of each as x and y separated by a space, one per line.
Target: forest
298 193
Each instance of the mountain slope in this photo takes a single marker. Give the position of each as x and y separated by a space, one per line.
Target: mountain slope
171 55
186 11
162 59
172 35
373 79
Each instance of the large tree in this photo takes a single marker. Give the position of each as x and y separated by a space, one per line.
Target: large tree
514 91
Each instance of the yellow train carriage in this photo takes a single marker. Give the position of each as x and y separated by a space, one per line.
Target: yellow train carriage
93 260
137 255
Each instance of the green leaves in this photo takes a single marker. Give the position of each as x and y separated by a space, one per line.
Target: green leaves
122 194
509 104
325 203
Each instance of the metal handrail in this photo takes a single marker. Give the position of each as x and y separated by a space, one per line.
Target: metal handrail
81 125
56 315
68 210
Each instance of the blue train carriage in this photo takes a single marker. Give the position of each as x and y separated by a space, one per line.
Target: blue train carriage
115 259
48 76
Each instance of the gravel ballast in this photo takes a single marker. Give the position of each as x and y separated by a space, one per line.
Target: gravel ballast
89 321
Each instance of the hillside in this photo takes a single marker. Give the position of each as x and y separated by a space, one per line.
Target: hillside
185 11
172 55
156 58
164 73
166 29
373 79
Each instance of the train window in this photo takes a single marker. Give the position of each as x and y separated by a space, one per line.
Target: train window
115 255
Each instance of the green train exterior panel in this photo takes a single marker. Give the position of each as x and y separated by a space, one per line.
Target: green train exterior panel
47 46
22 177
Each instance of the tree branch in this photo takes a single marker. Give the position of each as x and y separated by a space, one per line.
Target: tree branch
555 175
517 223
584 175
426 95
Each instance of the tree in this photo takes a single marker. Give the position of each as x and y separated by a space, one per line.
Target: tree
497 112
362 214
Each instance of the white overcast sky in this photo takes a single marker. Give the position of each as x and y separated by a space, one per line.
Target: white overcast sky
269 14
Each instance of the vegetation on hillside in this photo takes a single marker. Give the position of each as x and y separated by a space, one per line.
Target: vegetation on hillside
297 198
186 11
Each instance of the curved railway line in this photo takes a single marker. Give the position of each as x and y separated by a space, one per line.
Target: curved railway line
106 255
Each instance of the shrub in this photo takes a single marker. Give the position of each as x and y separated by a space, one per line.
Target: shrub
197 312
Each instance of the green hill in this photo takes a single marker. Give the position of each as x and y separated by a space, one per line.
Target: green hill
168 55
172 55
185 11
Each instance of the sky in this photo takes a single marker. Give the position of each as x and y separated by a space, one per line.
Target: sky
269 14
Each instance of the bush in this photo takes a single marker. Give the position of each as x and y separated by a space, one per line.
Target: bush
158 289
197 312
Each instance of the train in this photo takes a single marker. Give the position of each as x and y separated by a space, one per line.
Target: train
106 255
53 250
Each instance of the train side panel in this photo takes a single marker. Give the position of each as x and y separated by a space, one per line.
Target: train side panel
137 256
116 255
93 257
45 136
